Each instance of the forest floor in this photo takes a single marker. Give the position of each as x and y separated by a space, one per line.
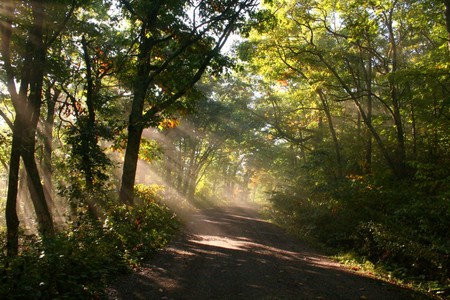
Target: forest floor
233 253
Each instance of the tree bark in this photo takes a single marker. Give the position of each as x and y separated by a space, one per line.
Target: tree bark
43 214
368 78
12 220
27 103
135 125
88 136
190 174
34 104
400 156
130 164
333 134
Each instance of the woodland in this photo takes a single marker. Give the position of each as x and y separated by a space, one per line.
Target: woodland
335 114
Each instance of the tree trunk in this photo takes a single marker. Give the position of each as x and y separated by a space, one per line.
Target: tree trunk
392 165
414 129
36 188
333 134
27 115
181 166
367 168
400 135
190 174
12 220
44 217
88 137
130 164
33 111
136 126
171 158
369 140
356 100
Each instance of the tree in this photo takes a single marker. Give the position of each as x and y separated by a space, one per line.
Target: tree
89 86
25 40
350 58
174 49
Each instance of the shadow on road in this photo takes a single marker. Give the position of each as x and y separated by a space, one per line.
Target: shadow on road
231 253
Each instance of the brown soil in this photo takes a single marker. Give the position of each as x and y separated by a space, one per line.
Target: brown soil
232 253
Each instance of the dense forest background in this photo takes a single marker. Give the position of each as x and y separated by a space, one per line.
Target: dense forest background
336 114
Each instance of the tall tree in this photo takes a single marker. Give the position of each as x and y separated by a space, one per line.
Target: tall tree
177 42
25 39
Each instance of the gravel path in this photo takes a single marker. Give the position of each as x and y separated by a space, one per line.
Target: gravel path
232 253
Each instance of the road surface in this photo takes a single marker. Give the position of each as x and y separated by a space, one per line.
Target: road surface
232 253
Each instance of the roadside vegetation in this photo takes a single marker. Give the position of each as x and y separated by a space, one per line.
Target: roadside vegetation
398 232
79 262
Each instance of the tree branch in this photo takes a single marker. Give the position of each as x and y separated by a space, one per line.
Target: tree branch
62 25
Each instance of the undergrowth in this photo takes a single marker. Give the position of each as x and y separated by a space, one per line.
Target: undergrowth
398 231
79 262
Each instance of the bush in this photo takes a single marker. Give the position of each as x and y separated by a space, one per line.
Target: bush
70 265
414 239
78 263
397 225
140 230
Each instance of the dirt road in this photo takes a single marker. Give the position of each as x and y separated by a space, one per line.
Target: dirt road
231 253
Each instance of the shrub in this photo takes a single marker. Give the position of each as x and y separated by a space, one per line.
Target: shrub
70 265
77 263
138 231
394 224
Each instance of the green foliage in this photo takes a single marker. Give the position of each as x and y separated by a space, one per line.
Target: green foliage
86 155
138 231
149 150
392 225
71 265
78 263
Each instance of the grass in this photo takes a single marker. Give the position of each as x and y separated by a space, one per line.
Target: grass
391 274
